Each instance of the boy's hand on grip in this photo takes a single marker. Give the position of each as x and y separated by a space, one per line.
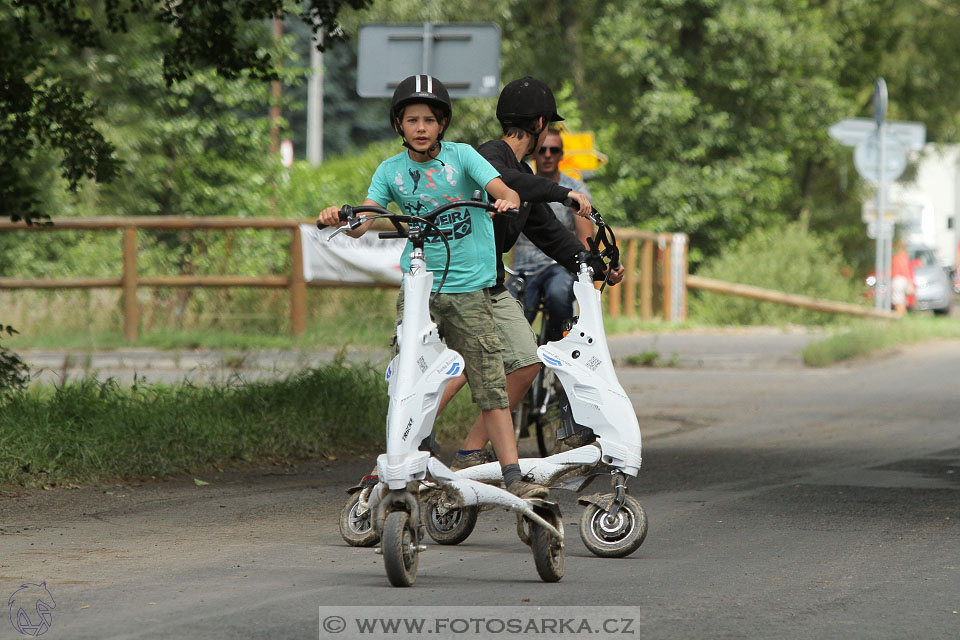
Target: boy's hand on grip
581 203
503 205
329 217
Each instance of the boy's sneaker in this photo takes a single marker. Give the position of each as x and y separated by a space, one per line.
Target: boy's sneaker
482 456
523 489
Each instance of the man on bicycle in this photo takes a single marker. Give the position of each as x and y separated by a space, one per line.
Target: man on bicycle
551 281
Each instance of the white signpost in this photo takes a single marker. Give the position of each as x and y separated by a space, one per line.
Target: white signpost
880 156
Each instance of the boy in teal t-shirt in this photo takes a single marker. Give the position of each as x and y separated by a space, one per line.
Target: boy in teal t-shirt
420 187
428 174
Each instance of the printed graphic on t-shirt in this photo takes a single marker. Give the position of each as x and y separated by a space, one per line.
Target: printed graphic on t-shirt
456 221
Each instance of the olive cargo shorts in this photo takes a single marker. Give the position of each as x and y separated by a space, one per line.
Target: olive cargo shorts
491 333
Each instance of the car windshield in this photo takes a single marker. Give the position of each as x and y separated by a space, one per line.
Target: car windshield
923 257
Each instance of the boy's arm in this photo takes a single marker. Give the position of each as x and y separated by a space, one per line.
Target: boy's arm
584 229
550 236
529 187
506 198
545 231
331 217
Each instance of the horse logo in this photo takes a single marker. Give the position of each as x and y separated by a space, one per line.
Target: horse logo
30 609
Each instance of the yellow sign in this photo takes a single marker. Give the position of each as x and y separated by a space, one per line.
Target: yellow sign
579 154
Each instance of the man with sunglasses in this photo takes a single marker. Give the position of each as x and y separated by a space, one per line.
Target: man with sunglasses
553 283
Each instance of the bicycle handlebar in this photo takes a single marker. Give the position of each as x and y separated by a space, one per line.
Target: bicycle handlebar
605 236
348 214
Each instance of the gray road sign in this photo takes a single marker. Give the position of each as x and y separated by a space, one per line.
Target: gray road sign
464 56
866 158
853 131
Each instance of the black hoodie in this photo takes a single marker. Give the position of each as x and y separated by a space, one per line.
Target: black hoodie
536 220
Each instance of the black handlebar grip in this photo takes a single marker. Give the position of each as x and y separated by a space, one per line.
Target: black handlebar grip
346 211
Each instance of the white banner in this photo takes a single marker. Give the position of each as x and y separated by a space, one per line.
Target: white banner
345 259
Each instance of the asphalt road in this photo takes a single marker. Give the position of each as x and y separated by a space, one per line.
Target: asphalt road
783 502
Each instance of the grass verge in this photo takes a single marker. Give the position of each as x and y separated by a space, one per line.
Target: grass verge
90 431
867 336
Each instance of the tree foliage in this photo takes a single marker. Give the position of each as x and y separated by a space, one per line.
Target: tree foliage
44 109
49 114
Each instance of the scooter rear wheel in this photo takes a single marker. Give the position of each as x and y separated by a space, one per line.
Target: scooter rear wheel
615 537
357 529
549 555
452 527
399 548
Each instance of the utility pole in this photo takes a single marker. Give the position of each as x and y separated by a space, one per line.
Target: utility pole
315 104
276 92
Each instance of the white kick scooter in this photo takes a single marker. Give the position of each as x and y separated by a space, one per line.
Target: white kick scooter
416 379
613 525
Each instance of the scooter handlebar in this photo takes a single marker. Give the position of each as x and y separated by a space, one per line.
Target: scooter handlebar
348 214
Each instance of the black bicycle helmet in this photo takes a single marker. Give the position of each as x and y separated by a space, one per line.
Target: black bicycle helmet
524 100
420 89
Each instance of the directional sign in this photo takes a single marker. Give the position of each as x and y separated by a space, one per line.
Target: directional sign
866 158
465 57
853 131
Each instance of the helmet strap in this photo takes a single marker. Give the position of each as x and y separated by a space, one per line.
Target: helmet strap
535 134
436 145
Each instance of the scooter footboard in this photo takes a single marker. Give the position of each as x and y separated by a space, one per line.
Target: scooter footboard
543 471
470 492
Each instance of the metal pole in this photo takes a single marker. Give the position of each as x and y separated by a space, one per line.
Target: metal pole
883 271
315 104
882 261
427 47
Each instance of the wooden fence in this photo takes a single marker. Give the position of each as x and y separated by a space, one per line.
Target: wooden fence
647 283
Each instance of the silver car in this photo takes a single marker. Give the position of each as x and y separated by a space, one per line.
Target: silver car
932 281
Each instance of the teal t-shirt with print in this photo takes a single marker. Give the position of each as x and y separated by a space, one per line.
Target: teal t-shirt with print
420 187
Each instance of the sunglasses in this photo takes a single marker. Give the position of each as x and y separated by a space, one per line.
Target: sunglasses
554 150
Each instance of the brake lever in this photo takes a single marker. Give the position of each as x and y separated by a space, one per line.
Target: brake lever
353 222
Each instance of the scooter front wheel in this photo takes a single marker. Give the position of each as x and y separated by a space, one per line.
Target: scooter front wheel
399 548
615 537
356 524
452 526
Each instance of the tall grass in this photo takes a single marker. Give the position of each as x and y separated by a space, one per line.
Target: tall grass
864 337
90 431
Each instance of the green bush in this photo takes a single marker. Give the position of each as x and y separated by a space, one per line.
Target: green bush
89 431
788 259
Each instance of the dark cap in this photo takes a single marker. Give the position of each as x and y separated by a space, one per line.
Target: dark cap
525 99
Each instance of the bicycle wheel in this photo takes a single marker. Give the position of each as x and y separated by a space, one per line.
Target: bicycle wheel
549 422
521 418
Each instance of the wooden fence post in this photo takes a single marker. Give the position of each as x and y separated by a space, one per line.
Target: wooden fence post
131 314
666 275
630 279
298 288
646 280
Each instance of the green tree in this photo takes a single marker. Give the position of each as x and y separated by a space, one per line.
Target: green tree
50 116
42 109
